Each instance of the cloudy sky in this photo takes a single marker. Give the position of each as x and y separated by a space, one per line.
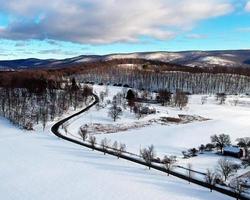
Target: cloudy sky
66 28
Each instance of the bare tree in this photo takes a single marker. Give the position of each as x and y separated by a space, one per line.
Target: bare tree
190 172
202 148
239 188
44 118
92 140
115 111
148 154
118 98
104 145
137 110
106 92
74 89
209 147
235 101
210 178
180 99
225 168
221 97
121 149
164 97
221 141
193 152
83 133
64 127
168 162
102 96
244 143
204 100
115 145
131 104
87 91
29 126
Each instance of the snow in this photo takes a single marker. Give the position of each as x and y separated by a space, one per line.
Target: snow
57 63
217 60
86 60
233 149
172 139
38 165
228 55
161 56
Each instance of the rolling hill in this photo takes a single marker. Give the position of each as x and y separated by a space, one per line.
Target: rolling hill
228 58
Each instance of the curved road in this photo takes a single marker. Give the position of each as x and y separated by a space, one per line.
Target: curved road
55 127
55 130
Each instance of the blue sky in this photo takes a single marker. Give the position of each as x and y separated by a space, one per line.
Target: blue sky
41 30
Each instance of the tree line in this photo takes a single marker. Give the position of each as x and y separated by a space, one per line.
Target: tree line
40 103
195 83
144 74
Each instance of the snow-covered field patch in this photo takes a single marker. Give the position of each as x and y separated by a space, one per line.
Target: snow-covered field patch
38 165
173 138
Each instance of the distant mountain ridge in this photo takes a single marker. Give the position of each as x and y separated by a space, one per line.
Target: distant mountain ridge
229 58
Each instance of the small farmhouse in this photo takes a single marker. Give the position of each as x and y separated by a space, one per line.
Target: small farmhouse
233 151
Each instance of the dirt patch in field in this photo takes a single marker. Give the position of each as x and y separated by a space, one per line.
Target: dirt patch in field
97 128
182 119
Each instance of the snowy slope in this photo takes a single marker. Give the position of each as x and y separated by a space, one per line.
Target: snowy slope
228 119
230 58
172 139
161 56
213 60
40 166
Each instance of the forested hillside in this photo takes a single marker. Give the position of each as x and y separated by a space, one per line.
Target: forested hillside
32 96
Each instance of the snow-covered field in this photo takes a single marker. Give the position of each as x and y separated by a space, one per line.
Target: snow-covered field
38 165
172 139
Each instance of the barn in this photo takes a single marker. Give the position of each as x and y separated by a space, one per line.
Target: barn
233 151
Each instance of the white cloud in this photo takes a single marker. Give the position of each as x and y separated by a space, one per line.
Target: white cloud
247 8
99 21
196 36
